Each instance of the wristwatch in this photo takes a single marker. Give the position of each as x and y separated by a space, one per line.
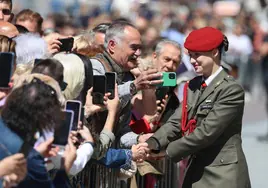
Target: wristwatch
133 89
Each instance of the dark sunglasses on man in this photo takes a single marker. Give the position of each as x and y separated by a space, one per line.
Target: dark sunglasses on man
6 11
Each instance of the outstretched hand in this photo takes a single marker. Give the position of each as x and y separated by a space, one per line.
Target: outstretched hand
140 152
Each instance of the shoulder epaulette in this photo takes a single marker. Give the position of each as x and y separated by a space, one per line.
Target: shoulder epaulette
229 78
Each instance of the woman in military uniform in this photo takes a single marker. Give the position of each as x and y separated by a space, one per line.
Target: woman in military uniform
207 126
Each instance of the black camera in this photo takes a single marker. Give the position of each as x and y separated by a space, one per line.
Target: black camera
171 76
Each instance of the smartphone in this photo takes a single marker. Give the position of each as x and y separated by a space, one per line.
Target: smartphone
110 83
161 92
169 79
62 132
99 89
67 44
75 106
6 68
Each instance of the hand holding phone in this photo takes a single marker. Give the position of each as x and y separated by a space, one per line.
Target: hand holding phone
6 69
110 83
66 44
161 92
62 132
169 79
75 106
147 79
86 134
46 150
69 156
99 89
112 104
91 108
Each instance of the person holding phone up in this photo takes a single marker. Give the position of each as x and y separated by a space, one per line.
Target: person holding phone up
104 141
112 158
152 107
6 46
152 103
100 145
207 126
41 95
122 50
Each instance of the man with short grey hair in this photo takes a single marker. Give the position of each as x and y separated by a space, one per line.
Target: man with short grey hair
167 55
166 58
122 50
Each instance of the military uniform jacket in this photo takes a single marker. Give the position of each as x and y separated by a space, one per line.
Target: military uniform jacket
214 147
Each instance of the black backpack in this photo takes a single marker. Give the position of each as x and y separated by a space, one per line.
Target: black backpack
88 78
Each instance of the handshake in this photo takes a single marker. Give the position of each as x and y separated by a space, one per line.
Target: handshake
142 152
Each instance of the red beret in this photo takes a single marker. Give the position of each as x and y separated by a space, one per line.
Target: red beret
204 39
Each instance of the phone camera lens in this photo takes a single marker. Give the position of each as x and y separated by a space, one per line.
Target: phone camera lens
171 76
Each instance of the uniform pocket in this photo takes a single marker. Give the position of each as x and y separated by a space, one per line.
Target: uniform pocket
228 155
203 112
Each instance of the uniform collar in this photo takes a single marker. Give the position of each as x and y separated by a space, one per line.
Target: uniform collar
211 77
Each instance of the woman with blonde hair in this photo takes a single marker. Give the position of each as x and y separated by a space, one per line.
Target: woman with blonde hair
74 74
85 44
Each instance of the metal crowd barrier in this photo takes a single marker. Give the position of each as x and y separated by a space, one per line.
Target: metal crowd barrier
98 176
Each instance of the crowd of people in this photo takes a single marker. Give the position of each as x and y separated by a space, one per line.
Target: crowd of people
196 123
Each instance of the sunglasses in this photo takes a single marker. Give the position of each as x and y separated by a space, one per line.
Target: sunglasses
6 11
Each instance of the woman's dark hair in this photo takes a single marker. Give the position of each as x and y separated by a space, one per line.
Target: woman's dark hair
50 67
223 46
30 108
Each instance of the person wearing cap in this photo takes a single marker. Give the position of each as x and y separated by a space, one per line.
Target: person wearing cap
207 126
